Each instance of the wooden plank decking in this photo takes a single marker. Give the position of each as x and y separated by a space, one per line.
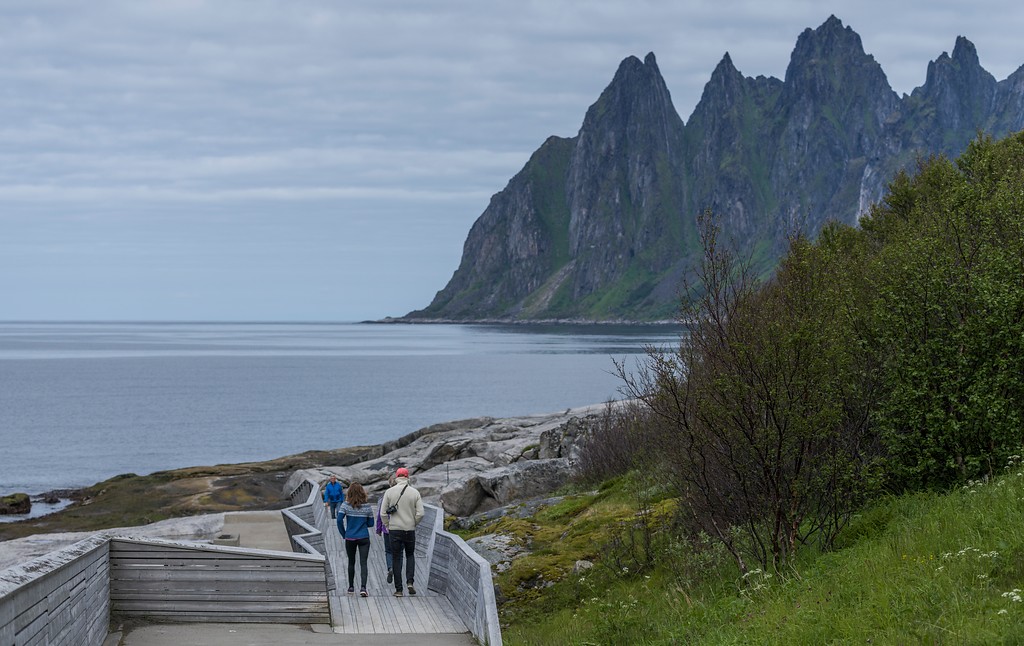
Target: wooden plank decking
381 611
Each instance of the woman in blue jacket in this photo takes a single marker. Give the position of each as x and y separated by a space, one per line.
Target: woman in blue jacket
355 517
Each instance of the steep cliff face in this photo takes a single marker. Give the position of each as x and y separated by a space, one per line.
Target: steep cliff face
730 168
515 245
833 110
624 178
603 226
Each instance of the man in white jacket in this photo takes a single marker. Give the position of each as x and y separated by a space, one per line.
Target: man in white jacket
402 509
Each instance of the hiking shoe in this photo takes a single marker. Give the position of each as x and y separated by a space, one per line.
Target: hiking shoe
391 575
412 590
398 593
362 592
350 590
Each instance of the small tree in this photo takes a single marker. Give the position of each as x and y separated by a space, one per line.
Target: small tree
762 426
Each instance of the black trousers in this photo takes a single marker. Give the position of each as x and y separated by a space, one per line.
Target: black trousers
403 543
363 544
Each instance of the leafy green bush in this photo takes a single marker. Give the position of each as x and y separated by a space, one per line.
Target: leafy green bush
949 277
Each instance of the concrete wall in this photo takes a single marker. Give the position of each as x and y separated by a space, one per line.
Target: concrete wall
59 598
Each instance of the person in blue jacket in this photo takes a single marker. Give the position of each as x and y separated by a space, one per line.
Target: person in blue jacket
334 495
355 518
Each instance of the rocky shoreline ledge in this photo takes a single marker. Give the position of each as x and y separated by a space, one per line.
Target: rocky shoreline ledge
471 467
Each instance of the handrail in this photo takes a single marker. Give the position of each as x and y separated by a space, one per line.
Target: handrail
301 523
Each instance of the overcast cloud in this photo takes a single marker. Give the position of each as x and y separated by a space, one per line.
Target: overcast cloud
320 160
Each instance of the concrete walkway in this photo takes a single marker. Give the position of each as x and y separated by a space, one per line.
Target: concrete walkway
268 635
262 530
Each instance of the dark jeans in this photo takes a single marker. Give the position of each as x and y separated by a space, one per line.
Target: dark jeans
363 544
334 508
387 550
404 543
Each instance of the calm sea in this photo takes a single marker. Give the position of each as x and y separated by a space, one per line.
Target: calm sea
81 402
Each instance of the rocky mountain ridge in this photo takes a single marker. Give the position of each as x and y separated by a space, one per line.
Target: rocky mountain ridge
603 225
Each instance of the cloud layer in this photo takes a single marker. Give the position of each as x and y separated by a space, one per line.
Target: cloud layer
316 160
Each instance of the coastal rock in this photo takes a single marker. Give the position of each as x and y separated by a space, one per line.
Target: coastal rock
582 566
518 509
564 441
475 465
16 503
502 485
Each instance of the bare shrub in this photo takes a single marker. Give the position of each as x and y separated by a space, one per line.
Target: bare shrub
760 416
614 445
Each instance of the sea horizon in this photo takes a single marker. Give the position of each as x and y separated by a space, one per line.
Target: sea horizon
102 398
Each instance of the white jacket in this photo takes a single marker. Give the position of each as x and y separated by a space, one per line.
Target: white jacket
410 507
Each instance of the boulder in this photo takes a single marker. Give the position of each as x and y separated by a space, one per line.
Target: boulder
500 486
433 482
16 503
527 479
564 441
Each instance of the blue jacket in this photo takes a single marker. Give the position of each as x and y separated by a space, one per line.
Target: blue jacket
359 521
334 493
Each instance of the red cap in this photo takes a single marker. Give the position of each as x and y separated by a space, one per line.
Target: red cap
402 473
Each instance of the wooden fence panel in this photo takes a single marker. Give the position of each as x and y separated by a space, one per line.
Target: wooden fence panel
57 599
177 582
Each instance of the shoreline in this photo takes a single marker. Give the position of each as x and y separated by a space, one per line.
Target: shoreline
401 320
456 464
257 485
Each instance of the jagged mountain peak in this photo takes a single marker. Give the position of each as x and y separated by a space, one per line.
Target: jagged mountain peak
721 90
632 68
830 61
960 74
725 67
636 86
964 52
830 40
964 58
603 226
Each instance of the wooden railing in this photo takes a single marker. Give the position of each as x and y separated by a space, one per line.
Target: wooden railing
455 569
464 577
300 520
169 581
69 596
59 598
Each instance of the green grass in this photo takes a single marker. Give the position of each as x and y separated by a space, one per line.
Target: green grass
920 569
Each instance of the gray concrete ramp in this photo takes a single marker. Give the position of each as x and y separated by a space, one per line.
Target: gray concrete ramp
269 635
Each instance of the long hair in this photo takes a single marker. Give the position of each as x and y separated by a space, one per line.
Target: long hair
356 495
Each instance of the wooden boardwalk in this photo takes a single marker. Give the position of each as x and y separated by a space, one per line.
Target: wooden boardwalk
382 612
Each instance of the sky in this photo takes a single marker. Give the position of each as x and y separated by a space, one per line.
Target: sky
323 160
